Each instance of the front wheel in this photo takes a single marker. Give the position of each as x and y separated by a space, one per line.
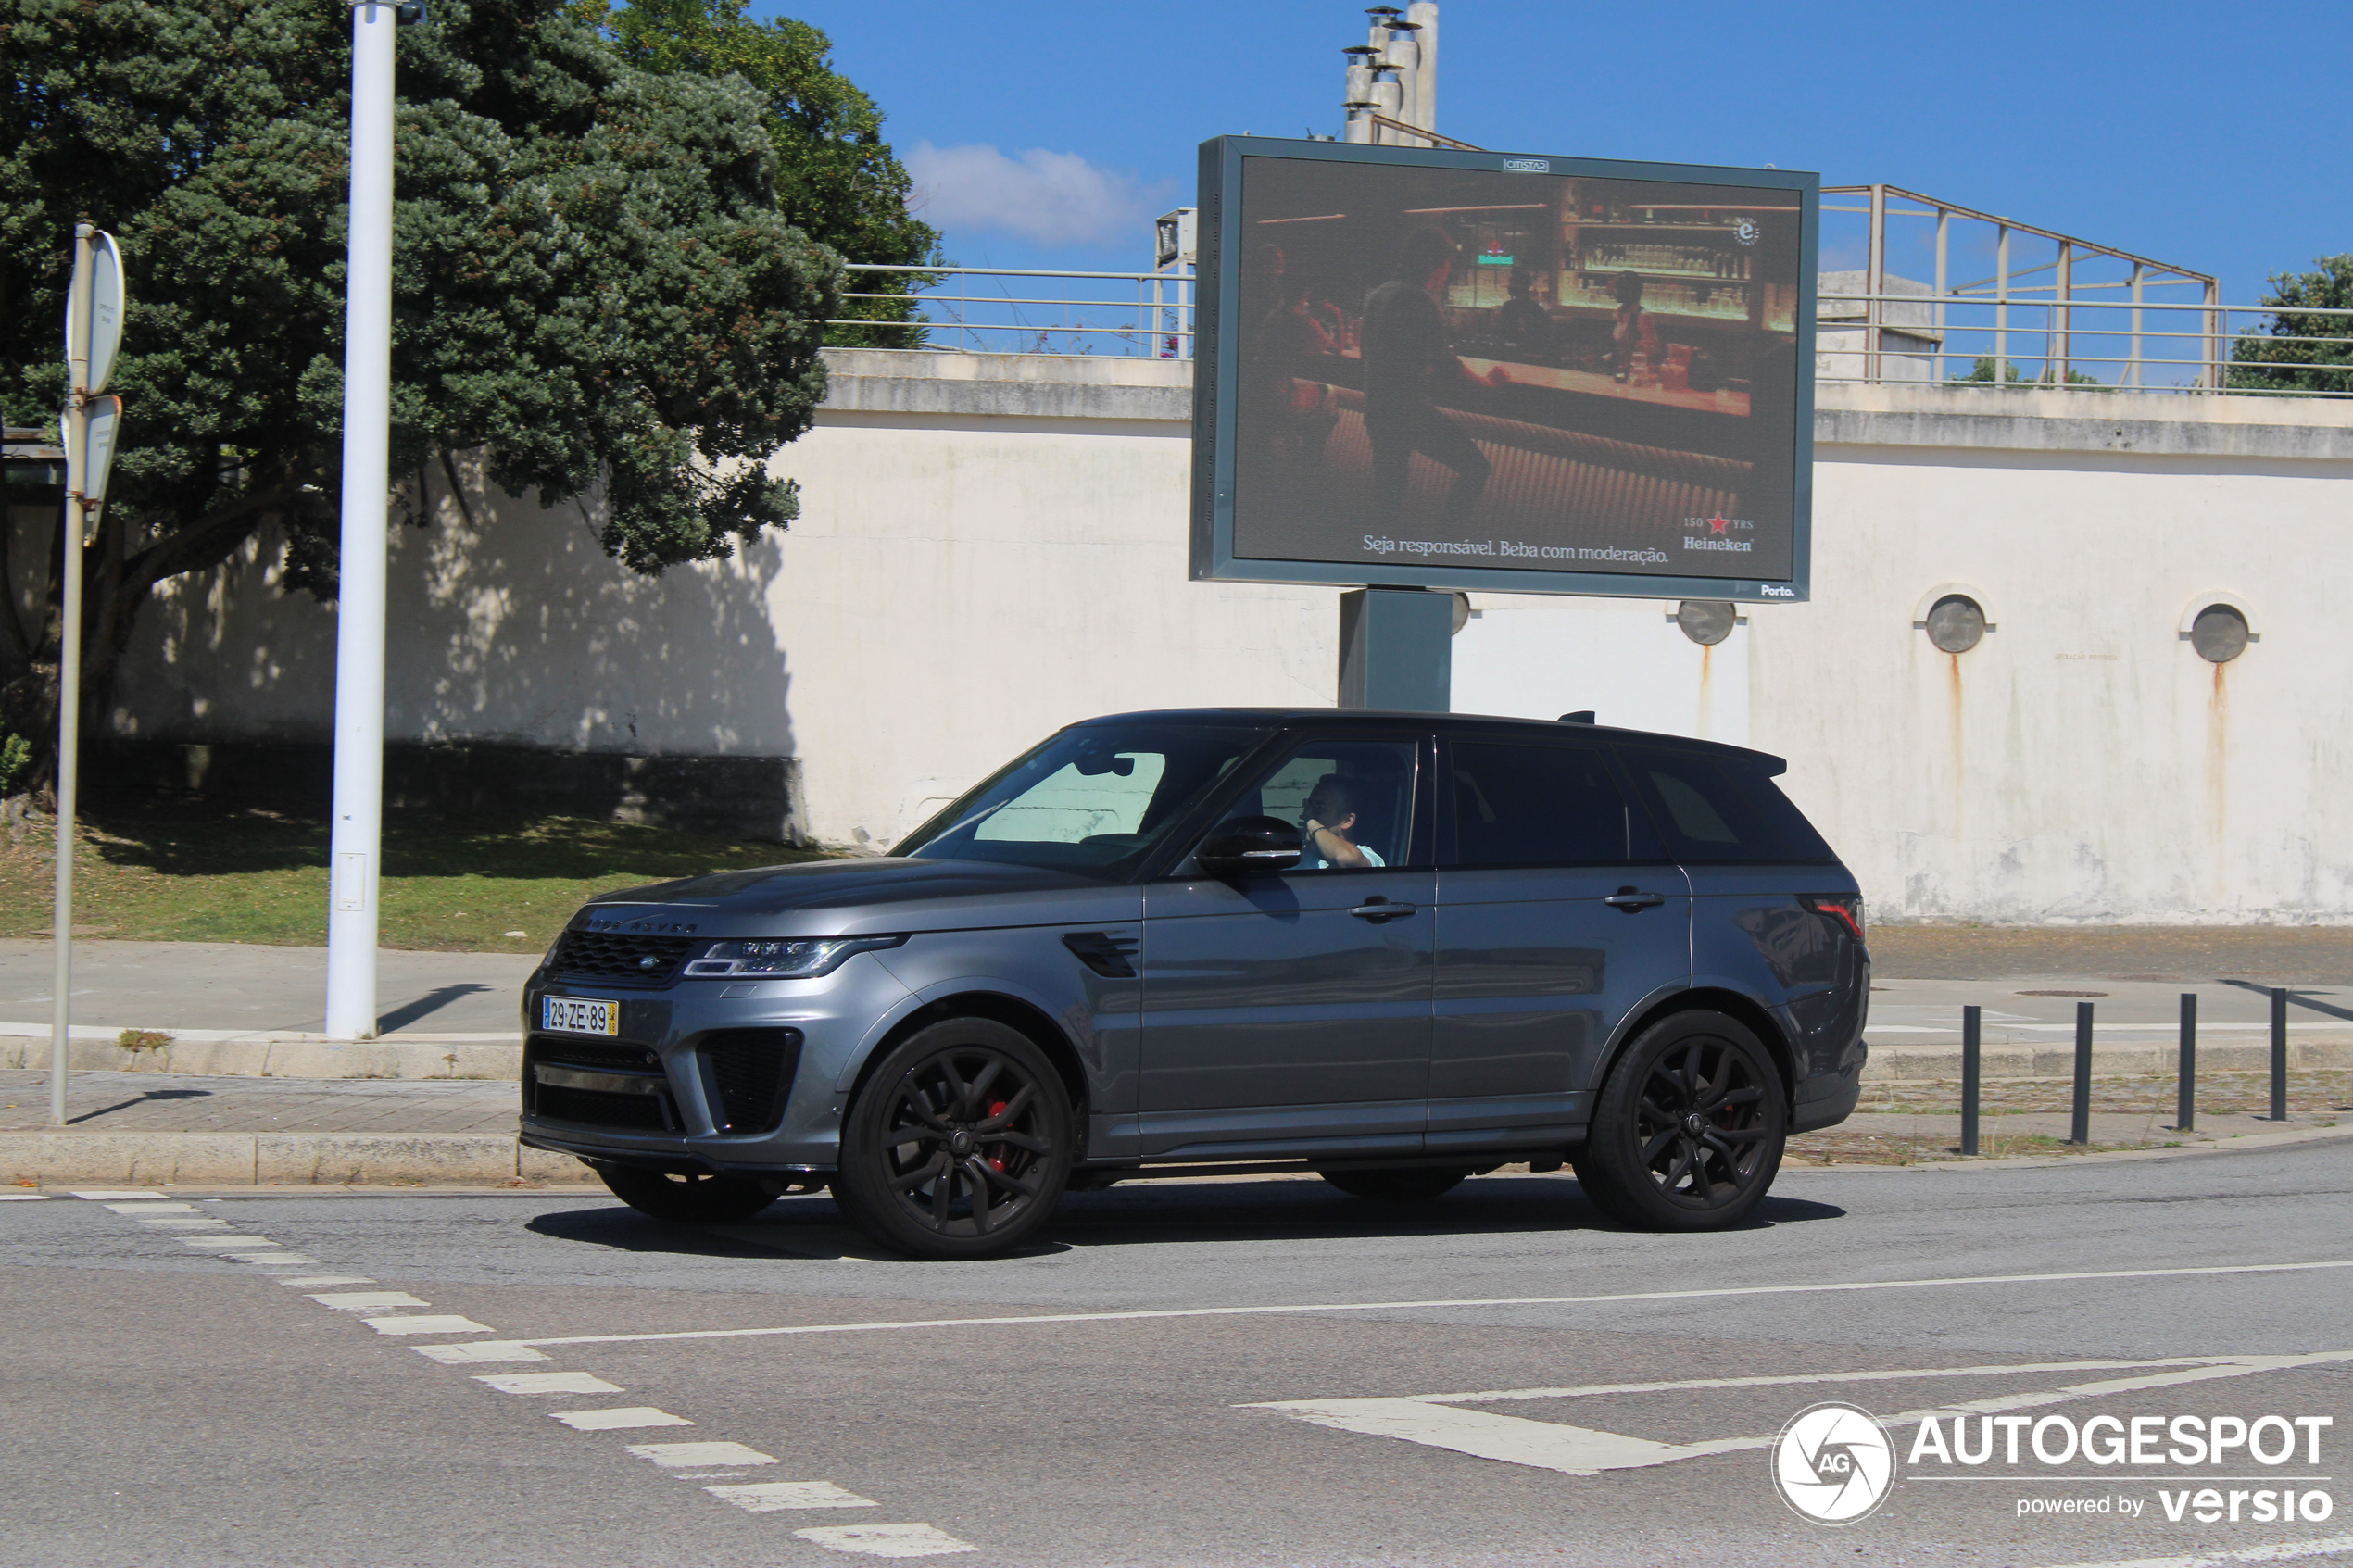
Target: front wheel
958 1144
1401 1183
1687 1134
699 1199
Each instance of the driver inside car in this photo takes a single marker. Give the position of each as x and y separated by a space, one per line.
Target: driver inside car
1329 820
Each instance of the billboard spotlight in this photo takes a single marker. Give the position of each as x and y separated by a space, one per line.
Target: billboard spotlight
1458 370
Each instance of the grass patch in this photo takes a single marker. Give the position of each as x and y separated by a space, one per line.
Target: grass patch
193 871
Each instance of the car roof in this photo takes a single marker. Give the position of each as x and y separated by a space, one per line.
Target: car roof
1293 718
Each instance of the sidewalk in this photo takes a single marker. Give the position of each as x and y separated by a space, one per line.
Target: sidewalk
156 1128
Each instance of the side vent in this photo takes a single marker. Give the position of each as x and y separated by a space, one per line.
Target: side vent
747 1075
1106 954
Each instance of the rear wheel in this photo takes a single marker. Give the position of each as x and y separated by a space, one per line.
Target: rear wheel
1688 1131
689 1199
958 1144
1401 1183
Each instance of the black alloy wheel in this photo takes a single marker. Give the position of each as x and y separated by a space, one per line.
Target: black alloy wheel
699 1199
1400 1184
1689 1129
958 1143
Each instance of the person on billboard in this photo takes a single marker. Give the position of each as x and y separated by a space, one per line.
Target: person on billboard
1408 360
1328 818
1523 323
1303 414
1630 329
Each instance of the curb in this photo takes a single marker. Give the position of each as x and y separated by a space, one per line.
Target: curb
2243 1144
280 1158
217 1054
1942 1063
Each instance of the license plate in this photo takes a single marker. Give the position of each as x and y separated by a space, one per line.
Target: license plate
577 1015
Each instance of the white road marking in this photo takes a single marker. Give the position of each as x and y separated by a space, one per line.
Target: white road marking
23 1197
154 1206
429 1323
1582 1390
272 1258
887 1540
770 1497
617 1420
367 1300
546 1383
479 1350
311 1282
242 1243
691 1456
183 1222
1639 1295
2276 1551
1437 1422
102 1197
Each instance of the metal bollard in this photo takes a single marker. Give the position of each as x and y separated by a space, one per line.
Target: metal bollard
1972 1044
2185 1073
2279 1053
2081 1130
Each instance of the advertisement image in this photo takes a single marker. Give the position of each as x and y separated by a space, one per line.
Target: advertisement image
1521 368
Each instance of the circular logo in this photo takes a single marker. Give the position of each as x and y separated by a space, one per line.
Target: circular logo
1745 231
1834 1465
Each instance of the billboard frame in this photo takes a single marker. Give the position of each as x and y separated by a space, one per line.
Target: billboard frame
1217 370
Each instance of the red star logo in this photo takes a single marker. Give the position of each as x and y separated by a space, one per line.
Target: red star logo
1720 524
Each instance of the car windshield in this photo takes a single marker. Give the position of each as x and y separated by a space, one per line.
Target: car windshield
1094 801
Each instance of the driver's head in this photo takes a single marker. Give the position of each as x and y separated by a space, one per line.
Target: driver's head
1331 802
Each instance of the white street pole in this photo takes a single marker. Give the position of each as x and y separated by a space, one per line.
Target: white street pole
356 846
77 439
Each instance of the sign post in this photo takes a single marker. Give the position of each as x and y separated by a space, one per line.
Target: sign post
93 331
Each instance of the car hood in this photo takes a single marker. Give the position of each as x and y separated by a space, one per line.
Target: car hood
860 897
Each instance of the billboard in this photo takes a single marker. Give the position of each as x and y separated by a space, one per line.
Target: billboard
1457 370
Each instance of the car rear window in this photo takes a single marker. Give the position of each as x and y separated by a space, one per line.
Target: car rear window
1722 809
1536 806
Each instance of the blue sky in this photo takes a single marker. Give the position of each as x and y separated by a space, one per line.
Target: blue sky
2208 136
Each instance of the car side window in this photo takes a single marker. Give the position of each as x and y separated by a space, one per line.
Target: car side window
1721 811
1352 800
1536 806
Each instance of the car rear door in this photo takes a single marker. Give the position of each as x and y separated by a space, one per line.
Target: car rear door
1559 913
1290 1012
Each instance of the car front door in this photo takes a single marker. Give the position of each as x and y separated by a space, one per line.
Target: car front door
1289 1012
1557 914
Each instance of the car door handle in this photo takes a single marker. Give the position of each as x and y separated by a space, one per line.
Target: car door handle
1633 902
1378 908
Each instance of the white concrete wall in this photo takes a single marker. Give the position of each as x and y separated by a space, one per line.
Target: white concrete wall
991 546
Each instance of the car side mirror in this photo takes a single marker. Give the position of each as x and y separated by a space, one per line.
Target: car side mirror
1250 844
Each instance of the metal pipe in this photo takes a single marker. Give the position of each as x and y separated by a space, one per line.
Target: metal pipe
2134 368
1404 52
2002 306
1387 98
2185 1071
77 440
356 840
1356 97
2279 1053
1972 1064
1942 270
1876 279
2080 1126
2063 340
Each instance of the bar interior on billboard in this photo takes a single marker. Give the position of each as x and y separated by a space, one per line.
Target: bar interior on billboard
1446 361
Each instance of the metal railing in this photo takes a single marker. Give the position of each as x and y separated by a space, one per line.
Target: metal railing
1135 315
2004 332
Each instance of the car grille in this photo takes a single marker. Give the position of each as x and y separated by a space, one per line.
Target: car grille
614 956
636 1113
750 1071
607 1053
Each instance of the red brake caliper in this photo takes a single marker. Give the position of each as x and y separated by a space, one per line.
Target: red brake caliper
996 1155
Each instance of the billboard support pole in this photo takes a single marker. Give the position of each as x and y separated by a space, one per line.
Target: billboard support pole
1396 649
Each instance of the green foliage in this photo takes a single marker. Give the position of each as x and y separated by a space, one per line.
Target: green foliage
15 763
2261 359
593 284
837 178
1982 370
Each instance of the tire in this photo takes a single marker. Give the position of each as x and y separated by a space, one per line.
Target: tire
1687 1134
958 1144
1401 1184
687 1200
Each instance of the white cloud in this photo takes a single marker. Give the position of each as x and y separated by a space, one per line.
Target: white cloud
1051 198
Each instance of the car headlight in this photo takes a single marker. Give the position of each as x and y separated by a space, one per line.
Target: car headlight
787 959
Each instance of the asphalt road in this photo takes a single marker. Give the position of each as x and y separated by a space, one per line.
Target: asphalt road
174 1395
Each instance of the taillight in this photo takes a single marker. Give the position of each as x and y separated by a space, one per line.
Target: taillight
1844 908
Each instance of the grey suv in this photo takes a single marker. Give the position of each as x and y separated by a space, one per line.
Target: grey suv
1395 950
